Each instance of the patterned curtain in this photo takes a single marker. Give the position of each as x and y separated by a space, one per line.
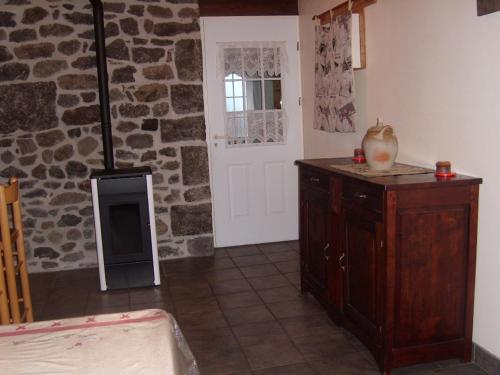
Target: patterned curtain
239 57
334 77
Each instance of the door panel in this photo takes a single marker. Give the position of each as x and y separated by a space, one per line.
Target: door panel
431 275
275 188
316 237
362 273
238 190
258 202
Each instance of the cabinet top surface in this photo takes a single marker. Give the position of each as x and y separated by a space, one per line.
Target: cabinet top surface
388 182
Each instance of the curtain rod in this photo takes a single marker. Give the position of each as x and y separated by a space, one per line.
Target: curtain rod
354 5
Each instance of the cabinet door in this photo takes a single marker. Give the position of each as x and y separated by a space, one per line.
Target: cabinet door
315 240
361 264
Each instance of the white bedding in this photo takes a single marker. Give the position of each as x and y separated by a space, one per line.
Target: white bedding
136 343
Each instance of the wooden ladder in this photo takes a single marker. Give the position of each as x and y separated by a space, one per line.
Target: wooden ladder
15 296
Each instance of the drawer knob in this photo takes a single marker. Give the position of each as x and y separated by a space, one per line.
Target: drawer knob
341 261
360 195
314 179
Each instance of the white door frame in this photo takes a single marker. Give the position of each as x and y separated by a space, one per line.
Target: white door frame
208 126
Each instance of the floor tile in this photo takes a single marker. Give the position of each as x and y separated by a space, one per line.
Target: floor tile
238 251
417 369
259 270
201 320
224 274
486 360
324 345
251 314
60 303
190 291
294 245
147 295
223 263
220 253
276 247
283 256
227 361
284 293
210 339
230 286
196 305
297 369
251 260
450 363
470 369
243 299
343 364
294 278
269 355
288 309
367 355
288 266
308 325
260 333
268 282
62 313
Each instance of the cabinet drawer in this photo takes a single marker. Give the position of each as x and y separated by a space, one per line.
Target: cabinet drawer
362 195
312 178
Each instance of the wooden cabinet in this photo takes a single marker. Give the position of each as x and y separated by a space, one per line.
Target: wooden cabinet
392 259
315 234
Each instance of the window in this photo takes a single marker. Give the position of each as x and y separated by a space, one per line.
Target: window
253 94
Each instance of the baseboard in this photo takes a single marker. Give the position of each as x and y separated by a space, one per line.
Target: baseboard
486 360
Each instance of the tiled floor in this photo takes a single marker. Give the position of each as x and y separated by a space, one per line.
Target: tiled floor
241 312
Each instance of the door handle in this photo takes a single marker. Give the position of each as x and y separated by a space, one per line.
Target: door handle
218 137
326 252
341 261
360 196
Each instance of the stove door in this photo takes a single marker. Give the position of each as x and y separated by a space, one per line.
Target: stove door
125 227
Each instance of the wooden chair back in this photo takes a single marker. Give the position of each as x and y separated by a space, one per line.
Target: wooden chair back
15 296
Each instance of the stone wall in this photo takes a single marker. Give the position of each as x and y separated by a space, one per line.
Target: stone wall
49 120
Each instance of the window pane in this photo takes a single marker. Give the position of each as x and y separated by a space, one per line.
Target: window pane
238 88
241 131
230 105
229 89
238 104
273 94
254 95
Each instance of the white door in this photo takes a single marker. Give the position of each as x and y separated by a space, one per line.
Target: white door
253 127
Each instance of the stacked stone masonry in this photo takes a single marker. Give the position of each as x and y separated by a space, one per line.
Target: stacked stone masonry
49 122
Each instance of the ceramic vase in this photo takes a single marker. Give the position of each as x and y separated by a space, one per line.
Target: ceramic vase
380 146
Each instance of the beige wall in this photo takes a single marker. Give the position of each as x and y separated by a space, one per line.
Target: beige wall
434 73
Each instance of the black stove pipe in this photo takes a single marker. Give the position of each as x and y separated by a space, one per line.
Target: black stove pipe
102 77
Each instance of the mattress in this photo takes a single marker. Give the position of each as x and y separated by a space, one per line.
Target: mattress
136 343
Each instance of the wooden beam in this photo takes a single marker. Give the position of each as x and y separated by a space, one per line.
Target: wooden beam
487 6
358 6
220 8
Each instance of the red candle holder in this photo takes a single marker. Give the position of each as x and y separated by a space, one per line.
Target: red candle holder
359 156
443 170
